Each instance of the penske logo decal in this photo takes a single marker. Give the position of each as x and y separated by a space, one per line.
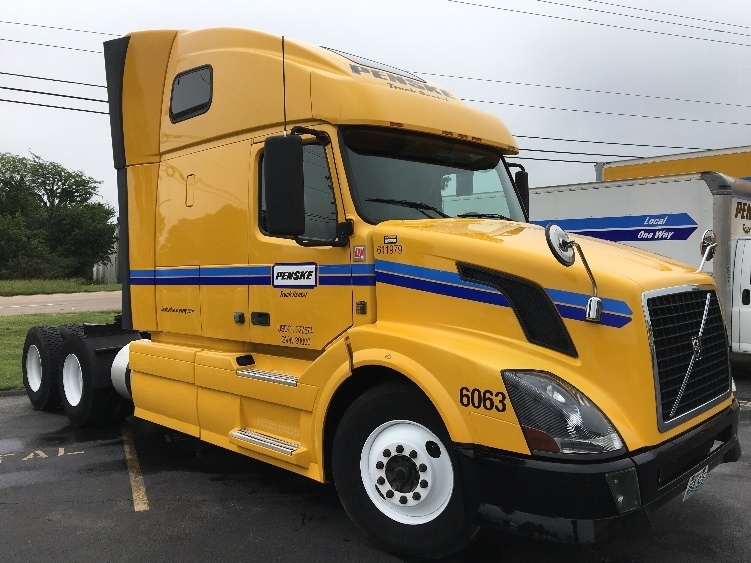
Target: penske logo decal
295 275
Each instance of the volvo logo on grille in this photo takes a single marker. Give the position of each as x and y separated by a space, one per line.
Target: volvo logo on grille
696 344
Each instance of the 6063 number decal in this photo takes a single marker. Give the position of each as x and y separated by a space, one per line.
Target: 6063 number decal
482 399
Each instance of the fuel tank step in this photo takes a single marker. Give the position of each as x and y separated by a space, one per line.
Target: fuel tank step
270 376
265 441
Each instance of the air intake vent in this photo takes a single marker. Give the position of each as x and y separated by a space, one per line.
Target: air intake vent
537 315
699 365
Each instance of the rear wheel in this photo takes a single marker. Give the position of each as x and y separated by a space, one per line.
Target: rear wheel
396 474
41 352
84 404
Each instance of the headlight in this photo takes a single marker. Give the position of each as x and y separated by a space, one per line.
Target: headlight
556 417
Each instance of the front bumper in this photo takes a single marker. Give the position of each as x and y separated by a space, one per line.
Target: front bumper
572 501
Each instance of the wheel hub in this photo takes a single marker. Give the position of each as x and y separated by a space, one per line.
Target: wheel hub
402 474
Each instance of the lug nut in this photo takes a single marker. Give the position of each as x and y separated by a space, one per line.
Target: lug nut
424 484
387 453
399 449
389 494
381 481
423 468
416 495
413 454
402 500
379 465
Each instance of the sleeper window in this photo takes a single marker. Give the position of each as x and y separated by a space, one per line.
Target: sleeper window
191 94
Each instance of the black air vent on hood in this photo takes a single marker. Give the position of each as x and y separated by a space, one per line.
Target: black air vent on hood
536 312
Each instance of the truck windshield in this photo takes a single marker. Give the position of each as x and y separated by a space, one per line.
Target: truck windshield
406 175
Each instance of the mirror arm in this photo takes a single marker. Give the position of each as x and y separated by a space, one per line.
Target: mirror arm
708 255
593 311
321 136
344 230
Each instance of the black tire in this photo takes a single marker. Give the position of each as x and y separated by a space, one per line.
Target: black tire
434 534
69 329
44 343
84 405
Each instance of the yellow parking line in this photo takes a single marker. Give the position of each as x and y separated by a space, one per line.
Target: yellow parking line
137 487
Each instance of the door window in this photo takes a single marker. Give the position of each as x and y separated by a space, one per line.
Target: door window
320 203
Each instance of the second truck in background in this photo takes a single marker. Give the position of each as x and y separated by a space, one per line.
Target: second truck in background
668 215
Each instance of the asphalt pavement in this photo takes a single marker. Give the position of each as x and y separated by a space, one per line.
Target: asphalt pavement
60 303
68 494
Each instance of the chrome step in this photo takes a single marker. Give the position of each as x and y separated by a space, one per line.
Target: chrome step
270 376
265 441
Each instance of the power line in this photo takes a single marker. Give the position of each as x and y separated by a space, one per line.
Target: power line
48 45
611 143
667 14
56 107
580 153
52 79
686 119
537 137
514 157
572 89
642 18
52 94
59 28
665 33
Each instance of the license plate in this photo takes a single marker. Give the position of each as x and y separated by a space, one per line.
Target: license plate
695 483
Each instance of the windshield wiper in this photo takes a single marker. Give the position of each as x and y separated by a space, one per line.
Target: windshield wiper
420 206
485 216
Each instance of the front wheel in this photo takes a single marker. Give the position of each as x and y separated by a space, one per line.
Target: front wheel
396 474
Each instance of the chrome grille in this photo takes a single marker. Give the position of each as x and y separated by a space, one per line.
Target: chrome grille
675 318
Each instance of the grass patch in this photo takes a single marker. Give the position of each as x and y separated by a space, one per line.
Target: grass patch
13 333
9 288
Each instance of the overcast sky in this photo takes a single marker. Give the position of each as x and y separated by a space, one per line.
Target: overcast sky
540 42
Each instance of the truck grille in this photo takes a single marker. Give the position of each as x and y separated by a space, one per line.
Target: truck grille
675 319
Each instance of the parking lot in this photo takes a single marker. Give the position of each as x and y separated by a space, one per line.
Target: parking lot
140 492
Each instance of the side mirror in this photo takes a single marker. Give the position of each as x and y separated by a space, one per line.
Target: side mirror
707 245
521 181
285 199
560 244
521 178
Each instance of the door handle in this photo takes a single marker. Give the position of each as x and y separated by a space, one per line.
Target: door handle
746 296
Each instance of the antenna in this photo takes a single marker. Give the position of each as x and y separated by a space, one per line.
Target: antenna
284 89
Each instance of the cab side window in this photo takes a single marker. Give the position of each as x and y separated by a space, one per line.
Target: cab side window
191 93
320 204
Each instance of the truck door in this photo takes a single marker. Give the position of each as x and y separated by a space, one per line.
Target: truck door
741 310
301 297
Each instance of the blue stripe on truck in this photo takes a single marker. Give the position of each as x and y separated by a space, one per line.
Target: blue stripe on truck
629 228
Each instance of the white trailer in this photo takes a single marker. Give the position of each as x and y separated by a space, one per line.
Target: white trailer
668 215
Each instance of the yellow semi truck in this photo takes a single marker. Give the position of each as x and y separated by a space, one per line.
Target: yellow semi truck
328 266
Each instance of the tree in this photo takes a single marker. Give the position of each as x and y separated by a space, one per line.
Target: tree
49 225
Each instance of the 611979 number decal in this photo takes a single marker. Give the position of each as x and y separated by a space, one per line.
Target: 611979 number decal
482 399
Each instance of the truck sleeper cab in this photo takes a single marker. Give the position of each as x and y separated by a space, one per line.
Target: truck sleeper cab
333 263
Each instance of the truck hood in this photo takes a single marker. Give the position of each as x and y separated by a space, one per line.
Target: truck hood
434 274
521 250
